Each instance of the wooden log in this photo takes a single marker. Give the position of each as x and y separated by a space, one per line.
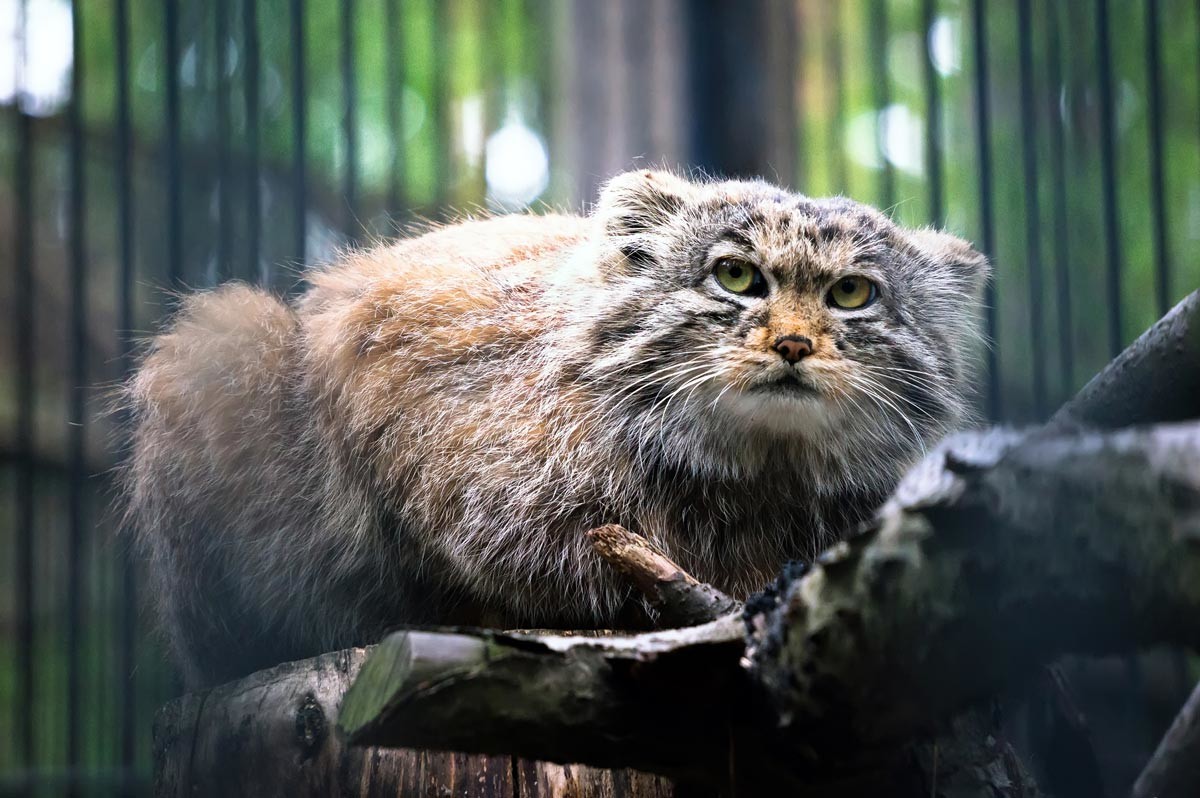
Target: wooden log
999 553
274 733
606 701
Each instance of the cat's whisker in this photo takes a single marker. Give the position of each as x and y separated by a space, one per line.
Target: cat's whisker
694 382
871 390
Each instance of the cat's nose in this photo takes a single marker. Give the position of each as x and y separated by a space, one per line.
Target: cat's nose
793 347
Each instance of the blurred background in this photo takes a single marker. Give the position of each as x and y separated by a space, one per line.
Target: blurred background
152 145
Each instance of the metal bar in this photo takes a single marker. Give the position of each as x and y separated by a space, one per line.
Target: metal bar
126 275
882 98
986 214
933 118
23 299
1033 229
349 122
128 677
1062 254
174 170
256 267
836 66
77 415
299 129
1158 207
795 57
124 142
394 70
224 259
637 35
443 149
538 24
494 81
1108 178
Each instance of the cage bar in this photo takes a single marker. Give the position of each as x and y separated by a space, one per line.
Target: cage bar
1154 120
983 131
1108 177
393 65
349 121
77 516
1032 211
224 261
1062 248
256 268
173 178
299 130
882 98
23 320
933 116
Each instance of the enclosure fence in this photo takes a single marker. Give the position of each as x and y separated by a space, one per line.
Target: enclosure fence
152 146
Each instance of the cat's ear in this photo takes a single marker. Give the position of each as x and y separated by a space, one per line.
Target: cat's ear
962 262
634 206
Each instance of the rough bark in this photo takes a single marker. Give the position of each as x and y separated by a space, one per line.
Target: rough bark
998 554
606 701
1156 379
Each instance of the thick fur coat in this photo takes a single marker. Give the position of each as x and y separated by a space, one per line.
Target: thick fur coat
425 434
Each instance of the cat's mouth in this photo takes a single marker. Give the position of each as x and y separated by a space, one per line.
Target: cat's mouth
790 383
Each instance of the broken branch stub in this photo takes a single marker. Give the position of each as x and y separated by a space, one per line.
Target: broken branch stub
677 597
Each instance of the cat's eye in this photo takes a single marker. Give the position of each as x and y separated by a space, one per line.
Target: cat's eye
739 277
852 293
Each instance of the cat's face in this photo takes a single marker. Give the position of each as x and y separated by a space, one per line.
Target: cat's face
742 303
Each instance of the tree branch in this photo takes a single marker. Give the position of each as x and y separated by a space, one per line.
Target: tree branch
1174 769
998 553
1156 378
679 598
604 701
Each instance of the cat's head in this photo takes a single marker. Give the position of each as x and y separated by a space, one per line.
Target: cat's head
764 310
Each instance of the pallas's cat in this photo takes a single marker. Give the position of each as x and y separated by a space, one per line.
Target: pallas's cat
736 372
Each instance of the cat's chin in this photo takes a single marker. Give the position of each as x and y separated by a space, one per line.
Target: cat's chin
785 407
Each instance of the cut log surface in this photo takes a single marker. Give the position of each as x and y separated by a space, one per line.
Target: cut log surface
275 733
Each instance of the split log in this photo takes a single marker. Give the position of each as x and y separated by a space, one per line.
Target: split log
999 553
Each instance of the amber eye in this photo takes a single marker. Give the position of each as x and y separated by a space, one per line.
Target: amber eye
739 277
852 293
